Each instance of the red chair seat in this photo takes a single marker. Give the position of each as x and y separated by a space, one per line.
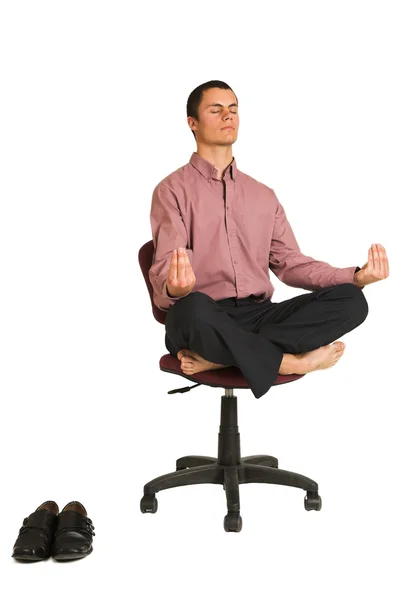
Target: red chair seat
231 377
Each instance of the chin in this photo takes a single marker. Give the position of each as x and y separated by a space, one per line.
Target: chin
228 142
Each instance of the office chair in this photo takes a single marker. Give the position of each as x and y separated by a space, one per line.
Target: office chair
228 469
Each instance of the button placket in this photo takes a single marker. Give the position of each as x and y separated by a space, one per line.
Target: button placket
232 234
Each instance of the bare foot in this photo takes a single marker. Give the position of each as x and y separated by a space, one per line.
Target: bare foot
321 358
191 362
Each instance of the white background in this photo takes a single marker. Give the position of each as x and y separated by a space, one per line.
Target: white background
93 116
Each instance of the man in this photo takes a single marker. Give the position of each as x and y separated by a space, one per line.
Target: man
216 233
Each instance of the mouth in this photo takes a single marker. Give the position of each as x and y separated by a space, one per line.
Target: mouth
229 127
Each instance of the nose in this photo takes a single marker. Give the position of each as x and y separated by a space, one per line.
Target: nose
226 112
228 120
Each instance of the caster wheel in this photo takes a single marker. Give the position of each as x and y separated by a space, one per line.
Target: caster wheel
312 501
233 522
149 504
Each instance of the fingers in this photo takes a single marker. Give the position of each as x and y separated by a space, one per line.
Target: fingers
180 266
189 271
371 257
173 267
383 261
378 261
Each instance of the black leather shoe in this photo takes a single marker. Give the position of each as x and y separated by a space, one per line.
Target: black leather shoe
73 536
35 538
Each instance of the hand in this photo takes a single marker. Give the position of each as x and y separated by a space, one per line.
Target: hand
375 269
180 279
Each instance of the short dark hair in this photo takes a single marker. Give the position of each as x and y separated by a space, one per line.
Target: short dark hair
195 97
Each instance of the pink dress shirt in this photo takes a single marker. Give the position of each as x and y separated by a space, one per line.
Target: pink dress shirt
234 231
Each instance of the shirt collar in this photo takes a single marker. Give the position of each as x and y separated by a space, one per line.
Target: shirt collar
208 170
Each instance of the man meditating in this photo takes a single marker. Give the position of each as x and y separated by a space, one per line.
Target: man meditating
216 232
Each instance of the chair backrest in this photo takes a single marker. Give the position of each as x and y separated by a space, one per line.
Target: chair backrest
146 253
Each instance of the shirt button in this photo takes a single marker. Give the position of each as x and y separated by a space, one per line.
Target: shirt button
235 261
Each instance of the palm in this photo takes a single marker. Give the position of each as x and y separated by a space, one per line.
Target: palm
377 266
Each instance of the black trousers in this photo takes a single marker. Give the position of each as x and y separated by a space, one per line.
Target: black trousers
254 335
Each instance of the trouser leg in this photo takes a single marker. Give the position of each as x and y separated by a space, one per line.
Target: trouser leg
197 322
316 319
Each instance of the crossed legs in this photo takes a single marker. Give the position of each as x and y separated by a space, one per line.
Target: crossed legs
321 358
298 335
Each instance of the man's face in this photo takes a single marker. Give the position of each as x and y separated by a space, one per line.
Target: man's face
218 109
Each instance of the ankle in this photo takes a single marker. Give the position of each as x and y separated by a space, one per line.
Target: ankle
291 364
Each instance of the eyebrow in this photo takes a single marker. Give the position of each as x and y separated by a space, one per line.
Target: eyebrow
217 104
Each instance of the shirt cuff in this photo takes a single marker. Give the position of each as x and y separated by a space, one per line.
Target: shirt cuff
356 270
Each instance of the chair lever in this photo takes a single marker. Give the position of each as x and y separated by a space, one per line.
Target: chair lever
184 389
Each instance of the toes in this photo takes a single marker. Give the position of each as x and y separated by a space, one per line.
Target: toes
338 348
187 362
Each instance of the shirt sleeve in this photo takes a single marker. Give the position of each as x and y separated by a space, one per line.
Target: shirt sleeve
294 268
169 232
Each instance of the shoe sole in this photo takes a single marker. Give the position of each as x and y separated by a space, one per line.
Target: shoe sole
66 557
28 558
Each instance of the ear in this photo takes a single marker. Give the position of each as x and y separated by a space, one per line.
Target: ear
192 123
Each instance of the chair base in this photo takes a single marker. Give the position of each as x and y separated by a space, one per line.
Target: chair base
229 470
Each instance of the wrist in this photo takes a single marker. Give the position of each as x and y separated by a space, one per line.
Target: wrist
178 292
356 279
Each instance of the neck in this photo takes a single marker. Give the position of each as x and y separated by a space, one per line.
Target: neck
219 156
